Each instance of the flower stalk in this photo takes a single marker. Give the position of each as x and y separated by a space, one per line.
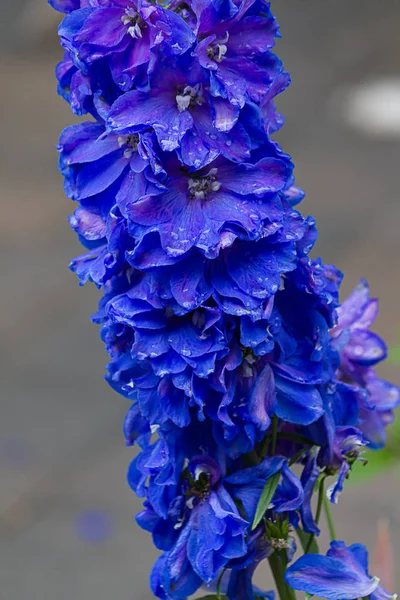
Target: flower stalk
248 380
278 563
328 514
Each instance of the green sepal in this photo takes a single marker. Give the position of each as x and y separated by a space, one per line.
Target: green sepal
278 530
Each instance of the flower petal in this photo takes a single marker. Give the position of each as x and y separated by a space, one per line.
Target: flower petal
329 577
267 176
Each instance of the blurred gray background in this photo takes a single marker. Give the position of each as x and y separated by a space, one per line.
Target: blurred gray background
66 514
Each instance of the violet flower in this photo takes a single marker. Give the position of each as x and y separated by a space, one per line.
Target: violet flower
229 342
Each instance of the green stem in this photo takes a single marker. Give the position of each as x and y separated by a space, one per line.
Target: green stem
329 518
263 450
277 562
274 434
219 584
321 494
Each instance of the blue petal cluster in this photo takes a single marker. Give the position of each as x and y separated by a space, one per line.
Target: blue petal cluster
227 339
346 566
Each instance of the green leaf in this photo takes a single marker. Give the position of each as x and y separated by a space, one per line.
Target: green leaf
266 497
304 540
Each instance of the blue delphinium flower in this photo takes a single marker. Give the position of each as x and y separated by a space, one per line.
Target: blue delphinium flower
235 49
66 6
184 114
86 93
124 32
204 529
340 575
360 350
229 342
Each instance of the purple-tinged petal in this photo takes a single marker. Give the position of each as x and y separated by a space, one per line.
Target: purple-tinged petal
262 400
149 253
365 348
188 284
273 121
224 207
173 28
253 35
382 394
104 27
267 176
308 479
372 424
355 557
353 307
369 315
134 187
88 224
152 210
294 195
210 13
242 80
135 110
329 577
225 114
91 266
202 55
183 231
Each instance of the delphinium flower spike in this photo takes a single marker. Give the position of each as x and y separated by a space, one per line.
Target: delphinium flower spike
249 385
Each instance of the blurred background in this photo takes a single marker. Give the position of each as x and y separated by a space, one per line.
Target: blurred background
66 514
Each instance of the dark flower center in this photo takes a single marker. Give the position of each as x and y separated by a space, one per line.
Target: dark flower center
199 488
134 22
189 97
200 187
218 49
130 142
